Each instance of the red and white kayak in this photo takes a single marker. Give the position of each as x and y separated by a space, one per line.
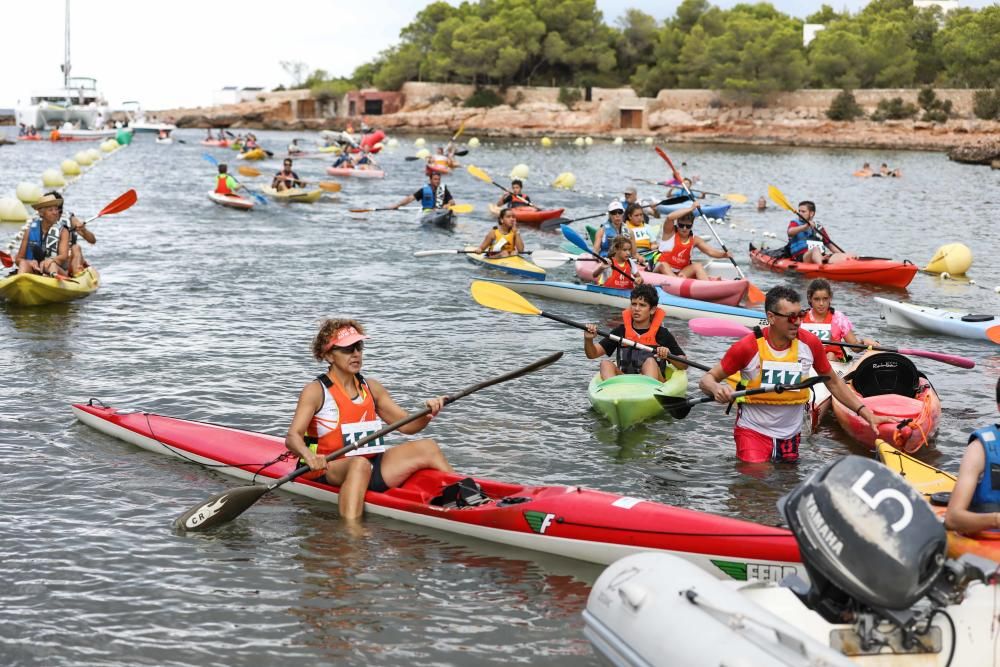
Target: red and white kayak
873 270
438 169
728 292
529 215
891 386
231 200
216 143
569 521
358 172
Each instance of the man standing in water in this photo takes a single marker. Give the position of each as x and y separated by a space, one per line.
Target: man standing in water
769 426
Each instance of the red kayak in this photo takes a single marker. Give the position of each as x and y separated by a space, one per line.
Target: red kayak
891 386
530 215
874 270
218 143
569 521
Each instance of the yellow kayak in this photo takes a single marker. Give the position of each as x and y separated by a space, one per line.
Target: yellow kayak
27 289
929 480
297 195
515 265
255 154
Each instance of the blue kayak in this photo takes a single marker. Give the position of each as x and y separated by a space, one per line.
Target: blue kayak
675 306
710 210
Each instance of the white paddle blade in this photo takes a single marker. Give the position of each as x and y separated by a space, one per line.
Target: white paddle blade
550 259
431 253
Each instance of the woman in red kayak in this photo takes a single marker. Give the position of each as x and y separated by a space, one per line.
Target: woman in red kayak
503 240
340 408
828 324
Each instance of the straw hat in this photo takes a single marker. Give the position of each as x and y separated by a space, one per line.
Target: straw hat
47 201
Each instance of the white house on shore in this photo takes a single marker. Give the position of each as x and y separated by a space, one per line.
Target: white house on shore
237 94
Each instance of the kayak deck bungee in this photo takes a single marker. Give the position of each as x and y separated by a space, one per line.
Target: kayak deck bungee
728 292
516 265
232 201
570 521
29 289
929 480
596 295
937 320
295 195
873 270
440 217
714 211
626 400
358 172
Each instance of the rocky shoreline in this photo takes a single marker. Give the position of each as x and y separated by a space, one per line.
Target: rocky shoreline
965 140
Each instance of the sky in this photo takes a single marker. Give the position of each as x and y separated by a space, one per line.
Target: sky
181 56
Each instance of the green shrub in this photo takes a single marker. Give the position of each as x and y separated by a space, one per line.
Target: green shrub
844 107
986 104
894 109
569 96
935 110
483 97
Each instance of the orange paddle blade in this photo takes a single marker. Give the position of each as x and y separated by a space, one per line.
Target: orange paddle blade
993 333
663 154
120 204
755 294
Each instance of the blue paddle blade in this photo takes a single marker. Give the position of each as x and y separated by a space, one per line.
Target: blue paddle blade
259 198
574 238
209 158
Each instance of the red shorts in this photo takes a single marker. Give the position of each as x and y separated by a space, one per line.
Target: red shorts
754 447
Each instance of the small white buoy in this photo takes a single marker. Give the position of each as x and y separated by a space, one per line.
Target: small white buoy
520 171
997 289
971 281
753 231
69 167
393 142
618 141
423 154
51 178
578 141
82 158
29 193
648 141
419 142
473 142
945 275
588 141
546 142
732 225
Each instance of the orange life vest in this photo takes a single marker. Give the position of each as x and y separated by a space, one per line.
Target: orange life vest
618 281
222 186
327 432
679 255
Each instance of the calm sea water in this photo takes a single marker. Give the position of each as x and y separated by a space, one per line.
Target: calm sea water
207 313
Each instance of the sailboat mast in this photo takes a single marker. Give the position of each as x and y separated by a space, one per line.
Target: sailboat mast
66 64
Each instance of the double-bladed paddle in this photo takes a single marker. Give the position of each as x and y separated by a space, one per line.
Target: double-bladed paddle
502 298
706 326
779 198
230 504
455 208
733 197
483 176
328 186
679 407
259 198
754 293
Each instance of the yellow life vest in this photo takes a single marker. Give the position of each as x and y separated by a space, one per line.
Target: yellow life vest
774 369
507 238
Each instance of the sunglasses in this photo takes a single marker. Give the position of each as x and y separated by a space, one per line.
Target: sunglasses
617 212
352 348
684 225
792 318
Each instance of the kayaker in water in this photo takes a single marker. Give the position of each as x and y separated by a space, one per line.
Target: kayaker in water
515 197
224 183
974 505
294 147
642 323
341 407
632 197
286 179
761 203
805 242
504 240
45 247
612 228
431 196
865 171
768 426
676 245
828 324
621 257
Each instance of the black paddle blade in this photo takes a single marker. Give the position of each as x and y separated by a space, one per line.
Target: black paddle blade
552 224
676 406
464 151
219 509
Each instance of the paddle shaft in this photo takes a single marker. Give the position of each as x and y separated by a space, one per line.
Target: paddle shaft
620 340
763 389
578 241
952 359
787 205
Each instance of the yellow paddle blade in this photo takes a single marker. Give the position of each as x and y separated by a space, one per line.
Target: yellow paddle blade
735 198
499 297
778 197
462 208
249 172
461 128
329 186
479 173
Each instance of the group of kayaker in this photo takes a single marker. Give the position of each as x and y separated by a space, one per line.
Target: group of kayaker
884 171
51 244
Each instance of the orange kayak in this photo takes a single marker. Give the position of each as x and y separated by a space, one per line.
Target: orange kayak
873 270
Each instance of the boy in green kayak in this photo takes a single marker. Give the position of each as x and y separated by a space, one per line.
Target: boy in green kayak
642 323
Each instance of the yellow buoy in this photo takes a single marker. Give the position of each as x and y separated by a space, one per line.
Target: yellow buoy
51 178
520 171
29 193
565 181
11 210
546 142
648 141
588 141
419 142
82 158
69 167
578 141
953 258
94 154
473 142
109 146
618 141
423 153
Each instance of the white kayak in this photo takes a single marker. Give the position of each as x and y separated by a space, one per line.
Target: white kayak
938 320
653 609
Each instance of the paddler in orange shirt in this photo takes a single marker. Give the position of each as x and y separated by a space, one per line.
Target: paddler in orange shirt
676 245
339 408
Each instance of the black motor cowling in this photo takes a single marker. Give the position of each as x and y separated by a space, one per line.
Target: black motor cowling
866 534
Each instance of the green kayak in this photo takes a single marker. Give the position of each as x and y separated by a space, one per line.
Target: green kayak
627 400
